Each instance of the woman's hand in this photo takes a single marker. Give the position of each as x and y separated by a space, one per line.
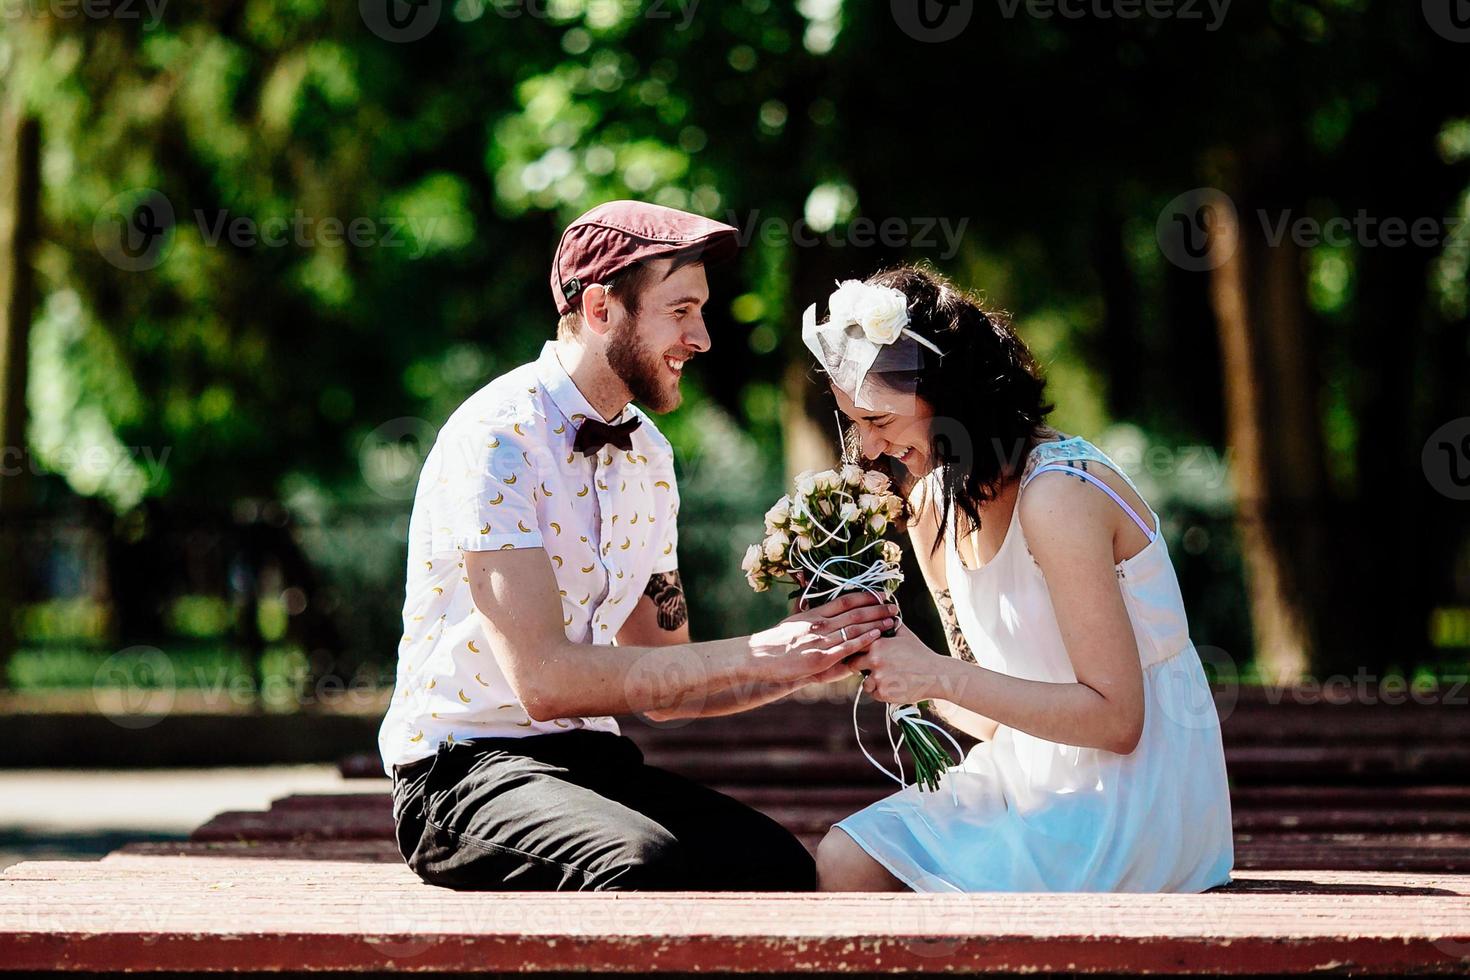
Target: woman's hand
813 641
902 670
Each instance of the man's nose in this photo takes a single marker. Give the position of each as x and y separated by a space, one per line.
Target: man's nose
697 336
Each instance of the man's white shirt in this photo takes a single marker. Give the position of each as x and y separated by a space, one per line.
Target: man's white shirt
503 475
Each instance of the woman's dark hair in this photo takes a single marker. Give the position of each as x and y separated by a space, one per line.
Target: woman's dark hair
986 391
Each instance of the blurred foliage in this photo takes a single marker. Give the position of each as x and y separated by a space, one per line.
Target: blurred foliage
237 371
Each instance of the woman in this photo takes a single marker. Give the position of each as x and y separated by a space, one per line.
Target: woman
1100 766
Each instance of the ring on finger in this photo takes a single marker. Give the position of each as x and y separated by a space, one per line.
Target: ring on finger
844 634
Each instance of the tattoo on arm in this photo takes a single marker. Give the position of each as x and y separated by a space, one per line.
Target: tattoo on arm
667 593
958 647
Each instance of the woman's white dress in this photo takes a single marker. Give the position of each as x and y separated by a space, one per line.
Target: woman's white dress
1041 816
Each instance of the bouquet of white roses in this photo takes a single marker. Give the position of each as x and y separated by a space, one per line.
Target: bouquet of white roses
827 538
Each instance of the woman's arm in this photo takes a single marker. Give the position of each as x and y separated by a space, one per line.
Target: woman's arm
924 530
1070 529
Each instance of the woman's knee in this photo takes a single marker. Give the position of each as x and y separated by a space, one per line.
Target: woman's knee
843 866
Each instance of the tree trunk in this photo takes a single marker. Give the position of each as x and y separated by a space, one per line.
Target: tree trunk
1272 423
19 205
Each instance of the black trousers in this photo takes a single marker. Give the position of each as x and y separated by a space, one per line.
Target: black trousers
581 811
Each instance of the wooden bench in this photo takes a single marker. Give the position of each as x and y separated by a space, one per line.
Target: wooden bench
352 905
1352 845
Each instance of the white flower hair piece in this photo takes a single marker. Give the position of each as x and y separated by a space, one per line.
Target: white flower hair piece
867 331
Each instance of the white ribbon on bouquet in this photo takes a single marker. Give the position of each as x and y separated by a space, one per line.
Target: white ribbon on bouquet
878 578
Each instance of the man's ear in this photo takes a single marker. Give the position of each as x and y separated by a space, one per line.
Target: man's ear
596 312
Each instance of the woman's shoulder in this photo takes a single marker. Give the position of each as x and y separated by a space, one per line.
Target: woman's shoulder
1062 502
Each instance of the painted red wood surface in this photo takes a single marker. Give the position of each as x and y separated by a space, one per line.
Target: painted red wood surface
218 907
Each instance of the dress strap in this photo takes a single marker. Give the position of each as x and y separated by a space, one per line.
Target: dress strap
1073 471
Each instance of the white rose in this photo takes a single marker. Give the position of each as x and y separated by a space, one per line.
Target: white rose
780 513
849 512
852 474
870 503
892 553
803 542
752 559
825 506
842 305
894 506
828 480
806 483
875 482
776 546
883 313
878 522
757 583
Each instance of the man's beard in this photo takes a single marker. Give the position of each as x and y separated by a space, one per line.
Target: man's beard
641 369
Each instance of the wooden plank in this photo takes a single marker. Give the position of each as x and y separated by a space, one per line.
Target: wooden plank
807 809
157 913
1296 765
1290 799
296 825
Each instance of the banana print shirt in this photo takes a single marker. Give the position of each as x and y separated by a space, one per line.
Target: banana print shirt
502 474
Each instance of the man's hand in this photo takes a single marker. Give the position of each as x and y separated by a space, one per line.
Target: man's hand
813 640
516 595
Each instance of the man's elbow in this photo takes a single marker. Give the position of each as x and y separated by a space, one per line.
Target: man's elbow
540 696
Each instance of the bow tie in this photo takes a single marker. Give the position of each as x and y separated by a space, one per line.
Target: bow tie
592 435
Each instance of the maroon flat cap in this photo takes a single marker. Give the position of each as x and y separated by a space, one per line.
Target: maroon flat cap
615 235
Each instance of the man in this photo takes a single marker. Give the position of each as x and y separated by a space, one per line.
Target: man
543 597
